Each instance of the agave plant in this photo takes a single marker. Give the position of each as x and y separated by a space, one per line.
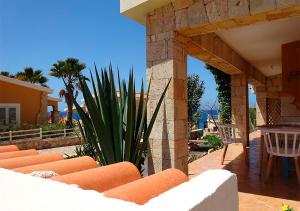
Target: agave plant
115 125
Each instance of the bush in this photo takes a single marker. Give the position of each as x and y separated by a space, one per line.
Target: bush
52 126
196 134
213 140
252 119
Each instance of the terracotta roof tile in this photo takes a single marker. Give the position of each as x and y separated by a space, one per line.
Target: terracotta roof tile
8 148
21 153
61 167
144 189
121 180
102 178
17 162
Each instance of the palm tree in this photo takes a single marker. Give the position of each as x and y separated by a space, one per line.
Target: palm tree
69 71
32 76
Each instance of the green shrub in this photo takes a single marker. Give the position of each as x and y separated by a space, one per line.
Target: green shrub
252 119
196 134
52 126
213 140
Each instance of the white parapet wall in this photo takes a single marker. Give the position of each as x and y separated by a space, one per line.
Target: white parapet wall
211 191
214 190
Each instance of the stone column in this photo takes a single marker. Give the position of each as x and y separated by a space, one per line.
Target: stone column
42 116
166 59
55 115
261 105
240 105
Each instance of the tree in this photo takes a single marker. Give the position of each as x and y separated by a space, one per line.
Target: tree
223 82
7 74
32 76
195 91
252 118
70 71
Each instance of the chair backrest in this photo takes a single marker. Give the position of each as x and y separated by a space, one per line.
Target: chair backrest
284 143
228 132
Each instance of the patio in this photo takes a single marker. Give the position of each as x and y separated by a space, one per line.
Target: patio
254 194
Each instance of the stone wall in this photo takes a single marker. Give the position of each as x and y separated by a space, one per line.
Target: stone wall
287 111
167 59
194 17
239 104
261 105
42 116
24 144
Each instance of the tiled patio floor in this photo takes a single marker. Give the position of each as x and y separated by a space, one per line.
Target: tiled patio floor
253 193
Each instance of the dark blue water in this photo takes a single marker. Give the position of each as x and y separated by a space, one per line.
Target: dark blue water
64 114
203 118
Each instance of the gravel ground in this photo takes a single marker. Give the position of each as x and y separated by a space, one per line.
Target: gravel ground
69 150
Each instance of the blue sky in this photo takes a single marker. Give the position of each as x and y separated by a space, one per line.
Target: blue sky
38 33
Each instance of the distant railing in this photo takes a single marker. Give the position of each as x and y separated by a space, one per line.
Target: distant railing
196 130
35 134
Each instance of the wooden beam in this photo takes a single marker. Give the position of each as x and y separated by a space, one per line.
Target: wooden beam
210 48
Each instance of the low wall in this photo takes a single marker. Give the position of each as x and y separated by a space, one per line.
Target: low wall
24 144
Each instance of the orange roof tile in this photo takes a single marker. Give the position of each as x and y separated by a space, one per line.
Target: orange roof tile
61 167
144 189
17 162
14 154
102 178
120 180
8 148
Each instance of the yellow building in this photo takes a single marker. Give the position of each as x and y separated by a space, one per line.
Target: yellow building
23 103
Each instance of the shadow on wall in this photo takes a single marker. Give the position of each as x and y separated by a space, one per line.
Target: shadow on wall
165 149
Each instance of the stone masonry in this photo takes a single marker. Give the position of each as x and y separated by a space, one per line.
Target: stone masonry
167 59
239 104
261 105
42 116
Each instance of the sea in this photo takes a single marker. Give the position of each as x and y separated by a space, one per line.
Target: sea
203 118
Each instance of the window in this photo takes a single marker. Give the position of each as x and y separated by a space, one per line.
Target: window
10 114
2 116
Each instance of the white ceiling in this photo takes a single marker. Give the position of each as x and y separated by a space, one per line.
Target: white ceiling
260 44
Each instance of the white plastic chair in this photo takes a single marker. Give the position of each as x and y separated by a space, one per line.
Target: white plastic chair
282 143
229 134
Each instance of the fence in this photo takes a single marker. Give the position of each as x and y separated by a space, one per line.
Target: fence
35 134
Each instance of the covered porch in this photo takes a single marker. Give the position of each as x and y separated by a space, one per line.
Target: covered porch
256 42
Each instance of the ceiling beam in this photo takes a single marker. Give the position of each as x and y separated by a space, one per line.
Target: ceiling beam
210 48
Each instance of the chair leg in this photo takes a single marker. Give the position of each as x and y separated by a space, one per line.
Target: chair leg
269 167
246 154
224 153
296 160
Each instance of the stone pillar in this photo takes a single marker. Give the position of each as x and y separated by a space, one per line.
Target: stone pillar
167 59
42 116
55 115
240 105
261 105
